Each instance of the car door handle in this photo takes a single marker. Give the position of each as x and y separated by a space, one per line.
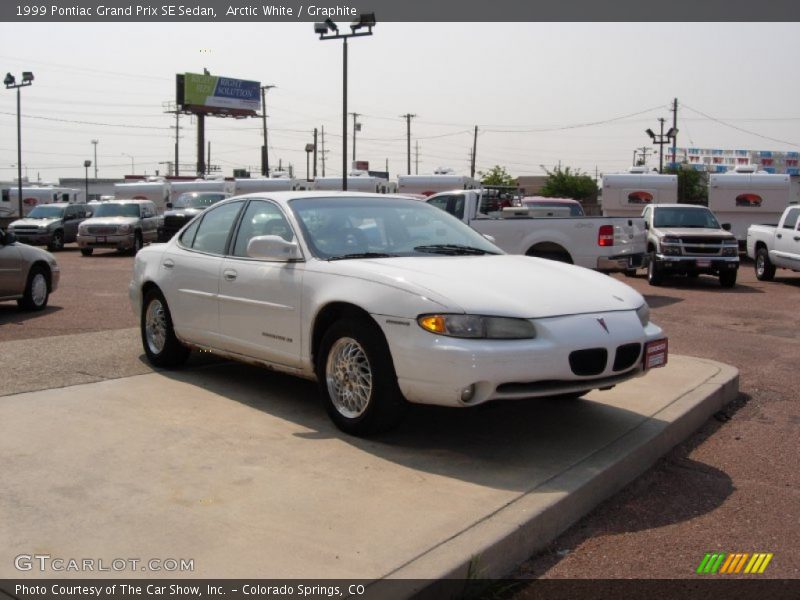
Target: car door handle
168 264
229 274
779 235
797 238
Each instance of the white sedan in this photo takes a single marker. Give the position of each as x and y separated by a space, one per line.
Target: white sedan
385 300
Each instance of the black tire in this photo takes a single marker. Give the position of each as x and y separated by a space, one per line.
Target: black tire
369 359
137 243
56 242
629 273
568 396
87 251
727 279
555 256
654 274
692 275
765 270
37 290
162 347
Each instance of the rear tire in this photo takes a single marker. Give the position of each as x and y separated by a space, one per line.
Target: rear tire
765 270
37 290
87 251
654 275
357 380
161 345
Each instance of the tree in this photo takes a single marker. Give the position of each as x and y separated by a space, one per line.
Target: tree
497 175
564 183
692 184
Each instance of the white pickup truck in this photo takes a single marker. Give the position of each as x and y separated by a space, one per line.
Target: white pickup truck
602 243
773 246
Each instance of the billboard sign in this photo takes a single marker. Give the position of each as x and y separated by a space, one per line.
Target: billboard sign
218 95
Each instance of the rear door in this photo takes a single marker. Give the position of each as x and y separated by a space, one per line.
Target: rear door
787 241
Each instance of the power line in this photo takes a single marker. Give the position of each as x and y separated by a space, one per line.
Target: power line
721 122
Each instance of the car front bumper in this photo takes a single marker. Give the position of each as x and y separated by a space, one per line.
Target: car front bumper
434 369
33 239
120 241
697 264
627 262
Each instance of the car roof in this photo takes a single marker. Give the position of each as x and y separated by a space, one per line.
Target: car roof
126 201
286 197
554 200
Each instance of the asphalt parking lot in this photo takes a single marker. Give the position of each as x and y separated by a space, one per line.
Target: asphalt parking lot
731 487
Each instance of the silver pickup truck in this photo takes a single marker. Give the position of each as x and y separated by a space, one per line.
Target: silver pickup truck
773 246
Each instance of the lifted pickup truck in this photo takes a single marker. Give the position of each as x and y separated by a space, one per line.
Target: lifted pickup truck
687 240
772 247
602 243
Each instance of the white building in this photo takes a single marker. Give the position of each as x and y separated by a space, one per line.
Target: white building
717 160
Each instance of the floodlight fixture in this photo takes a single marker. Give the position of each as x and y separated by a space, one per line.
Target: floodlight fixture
10 80
331 25
365 20
320 28
649 132
27 76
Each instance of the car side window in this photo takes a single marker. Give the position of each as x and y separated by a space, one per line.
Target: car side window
187 237
70 213
791 218
215 228
261 218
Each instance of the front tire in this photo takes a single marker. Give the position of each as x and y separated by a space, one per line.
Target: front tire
87 251
765 270
137 244
727 279
161 345
357 380
37 290
654 275
56 242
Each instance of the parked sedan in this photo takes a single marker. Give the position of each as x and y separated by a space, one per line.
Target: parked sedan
385 300
27 274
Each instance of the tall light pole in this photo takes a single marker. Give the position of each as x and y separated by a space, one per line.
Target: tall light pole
309 150
265 151
328 30
356 127
11 83
86 165
95 142
133 168
661 139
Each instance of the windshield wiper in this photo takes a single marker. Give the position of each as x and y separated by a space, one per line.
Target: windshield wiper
361 255
451 249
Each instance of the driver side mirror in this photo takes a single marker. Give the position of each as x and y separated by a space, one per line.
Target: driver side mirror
169 204
273 247
9 238
726 226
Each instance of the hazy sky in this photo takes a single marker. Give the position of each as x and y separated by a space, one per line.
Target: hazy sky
527 86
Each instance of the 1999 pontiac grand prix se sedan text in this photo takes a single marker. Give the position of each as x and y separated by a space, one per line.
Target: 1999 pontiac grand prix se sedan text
385 300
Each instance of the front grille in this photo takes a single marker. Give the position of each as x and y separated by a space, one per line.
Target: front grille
588 362
711 250
626 356
701 240
26 229
101 229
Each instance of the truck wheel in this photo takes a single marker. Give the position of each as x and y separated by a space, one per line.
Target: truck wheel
37 290
654 275
765 270
357 380
56 242
727 279
137 244
161 345
87 251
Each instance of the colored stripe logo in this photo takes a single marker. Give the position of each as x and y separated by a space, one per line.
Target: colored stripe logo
721 563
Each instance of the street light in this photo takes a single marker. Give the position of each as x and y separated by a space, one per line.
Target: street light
133 168
309 150
328 30
86 165
95 142
660 140
11 83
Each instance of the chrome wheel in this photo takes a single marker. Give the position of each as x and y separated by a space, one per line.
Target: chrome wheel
39 289
155 327
760 266
348 376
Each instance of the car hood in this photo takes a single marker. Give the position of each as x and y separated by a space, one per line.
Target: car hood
32 222
111 221
502 285
183 212
696 232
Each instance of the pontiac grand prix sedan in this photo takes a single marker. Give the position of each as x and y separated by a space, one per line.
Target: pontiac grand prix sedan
385 300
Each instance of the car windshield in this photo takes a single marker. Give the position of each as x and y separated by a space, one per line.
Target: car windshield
376 227
197 200
113 209
46 212
685 217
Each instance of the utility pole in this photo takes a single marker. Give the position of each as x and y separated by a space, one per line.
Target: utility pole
315 152
356 127
323 150
264 148
675 130
408 117
172 108
643 151
474 151
416 157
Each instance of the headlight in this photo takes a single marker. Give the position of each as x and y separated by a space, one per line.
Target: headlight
83 229
42 227
476 326
643 312
124 229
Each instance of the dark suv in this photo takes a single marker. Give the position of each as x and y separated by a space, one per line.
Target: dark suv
51 225
186 208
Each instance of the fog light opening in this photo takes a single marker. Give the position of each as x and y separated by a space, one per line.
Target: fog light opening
468 393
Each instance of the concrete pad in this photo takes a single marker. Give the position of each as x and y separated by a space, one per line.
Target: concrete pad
240 470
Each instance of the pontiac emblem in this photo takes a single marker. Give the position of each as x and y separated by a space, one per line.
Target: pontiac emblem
603 324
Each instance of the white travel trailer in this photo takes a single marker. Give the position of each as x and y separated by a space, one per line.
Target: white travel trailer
271 184
33 196
357 181
746 197
225 186
442 180
626 194
156 190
